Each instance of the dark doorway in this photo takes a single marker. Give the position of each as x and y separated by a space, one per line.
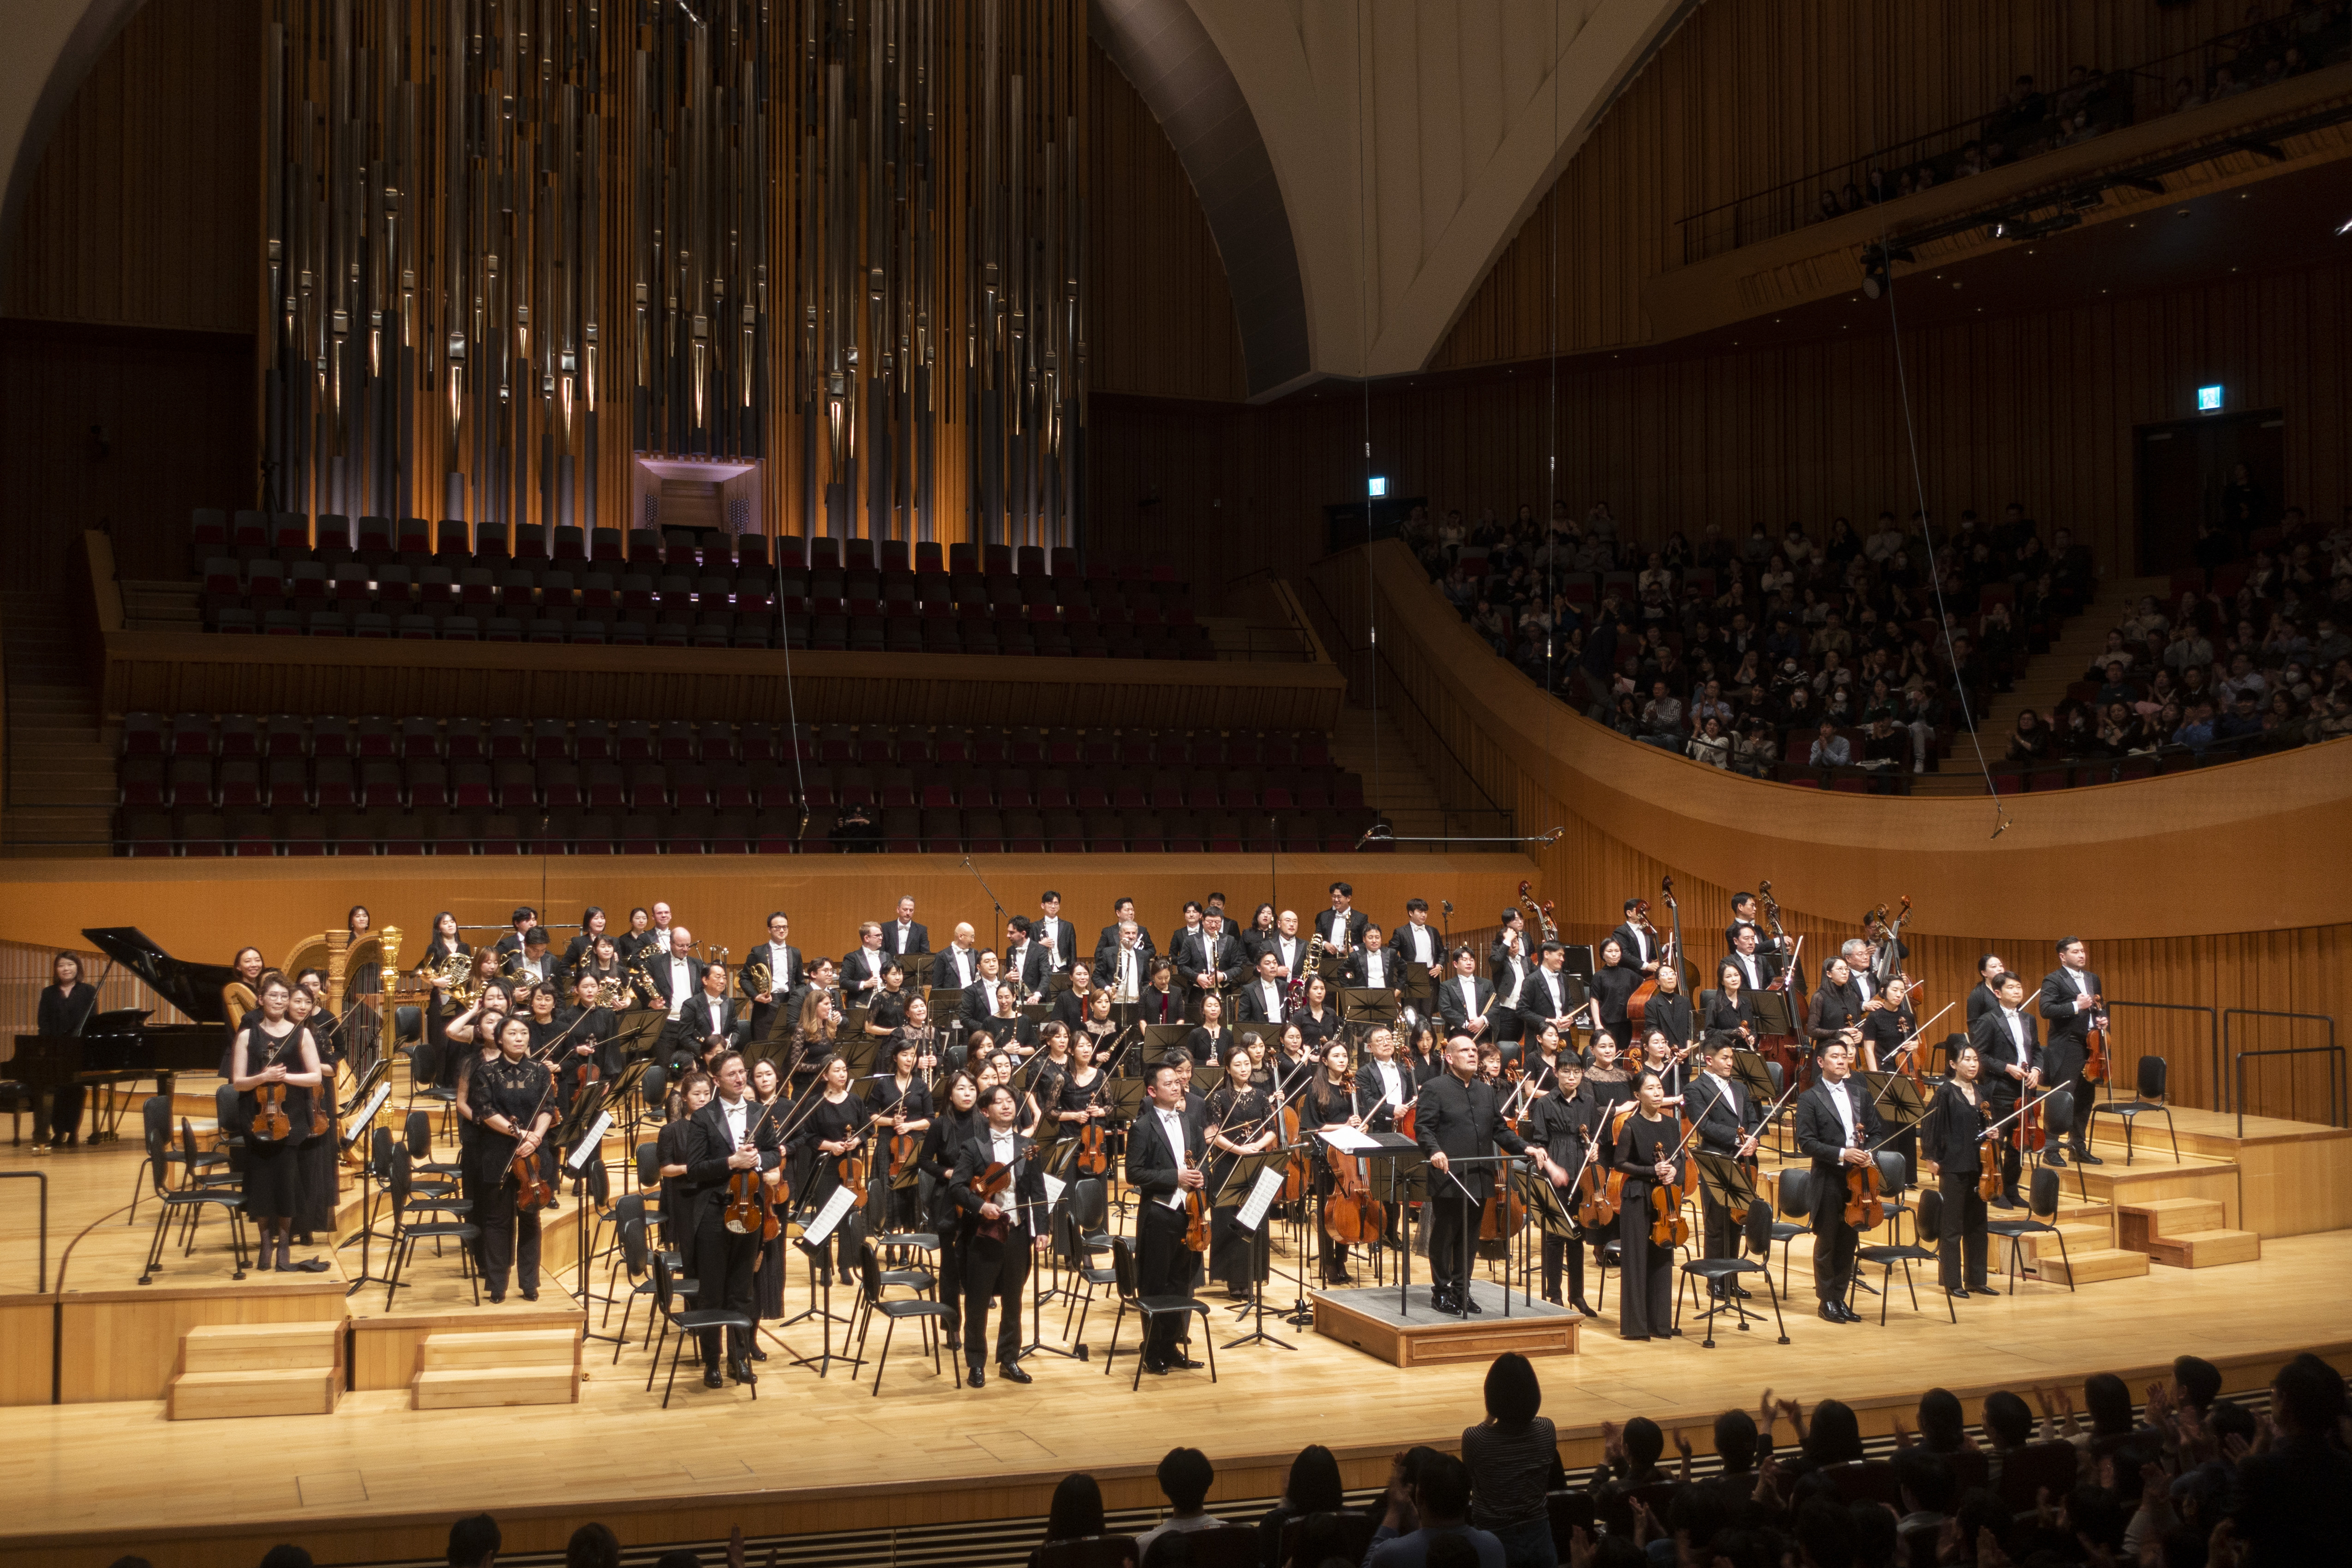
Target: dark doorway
2184 466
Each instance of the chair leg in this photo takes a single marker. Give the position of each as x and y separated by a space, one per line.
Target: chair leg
888 1329
2064 1263
138 1180
1907 1283
1210 1340
675 1351
400 1245
155 1245
1112 1354
653 1366
1143 1317
628 1306
2173 1133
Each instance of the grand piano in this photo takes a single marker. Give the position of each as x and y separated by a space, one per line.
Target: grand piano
121 1046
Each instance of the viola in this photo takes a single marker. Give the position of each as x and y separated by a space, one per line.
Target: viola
270 1122
1669 1227
1093 1158
1196 1214
2095 1044
532 1192
1987 1159
1864 1203
1352 1214
905 1148
750 1206
991 1183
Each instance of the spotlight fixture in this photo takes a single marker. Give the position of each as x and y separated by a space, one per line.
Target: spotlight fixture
2344 228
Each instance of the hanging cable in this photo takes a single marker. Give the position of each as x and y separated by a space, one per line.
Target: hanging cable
1364 379
791 705
2001 817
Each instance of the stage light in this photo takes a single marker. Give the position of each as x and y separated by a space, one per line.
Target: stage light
2344 228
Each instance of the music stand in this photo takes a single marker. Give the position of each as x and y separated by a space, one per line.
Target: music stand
1363 1004
1731 1187
1159 1038
853 1020
1754 1074
1241 1178
1774 1013
1898 1099
1206 1076
916 966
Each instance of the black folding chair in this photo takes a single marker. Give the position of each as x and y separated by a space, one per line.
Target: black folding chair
2041 1200
871 1303
689 1323
2149 1101
406 1233
1895 1251
186 1205
1150 1308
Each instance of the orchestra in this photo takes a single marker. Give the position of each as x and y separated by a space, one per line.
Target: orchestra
963 1092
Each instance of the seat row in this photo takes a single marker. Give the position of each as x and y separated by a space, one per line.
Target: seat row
289 781
290 536
418 736
143 833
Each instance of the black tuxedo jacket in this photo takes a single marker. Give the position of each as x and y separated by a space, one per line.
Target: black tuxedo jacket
708 1144
1462 1121
1193 953
1948 1133
785 977
1357 973
1252 1007
973 1156
657 970
943 966
1757 969
1821 1136
1981 1001
1451 1008
1152 1165
695 1018
1369 1091
854 972
1539 1004
1402 939
1029 971
1722 1116
1106 945
919 938
1997 1049
2058 994
1635 954
1061 941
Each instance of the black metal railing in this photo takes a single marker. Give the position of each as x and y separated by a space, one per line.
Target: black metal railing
2238 1060
41 1281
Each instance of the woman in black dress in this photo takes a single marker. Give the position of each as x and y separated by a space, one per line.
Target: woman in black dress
1887 1025
689 1095
1730 1007
1614 986
1210 1041
1317 1018
834 1130
1647 1153
361 1024
1070 1007
1560 1123
438 1059
901 1106
886 1010
1161 1001
1010 1031
272 1052
1949 1145
67 1003
583 947
1098 1026
319 1154
767 1274
1423 1059
1260 936
612 973
1242 1124
956 1125
239 996
513 1102
1669 1012
1330 1101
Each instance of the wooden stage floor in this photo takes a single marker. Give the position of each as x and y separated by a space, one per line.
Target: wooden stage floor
377 1482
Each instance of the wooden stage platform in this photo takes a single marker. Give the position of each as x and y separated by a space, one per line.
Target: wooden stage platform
104 1472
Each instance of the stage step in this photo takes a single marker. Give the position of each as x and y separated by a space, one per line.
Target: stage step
2090 1268
2186 1233
256 1369
2172 1217
513 1366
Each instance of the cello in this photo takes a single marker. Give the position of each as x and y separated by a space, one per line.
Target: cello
1637 1008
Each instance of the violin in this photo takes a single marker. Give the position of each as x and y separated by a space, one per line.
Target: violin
270 1123
1196 1214
1669 1226
1988 1157
2094 1043
1863 1204
751 1209
851 1167
1093 1158
994 1179
1297 1172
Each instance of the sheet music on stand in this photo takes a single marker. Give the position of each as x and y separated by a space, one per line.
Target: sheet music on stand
1754 1075
814 1233
590 1141
1264 1191
355 1128
1773 1012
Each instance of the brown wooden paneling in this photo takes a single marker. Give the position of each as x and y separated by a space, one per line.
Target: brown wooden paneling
1161 320
124 1345
1749 93
144 208
28 1326
2112 864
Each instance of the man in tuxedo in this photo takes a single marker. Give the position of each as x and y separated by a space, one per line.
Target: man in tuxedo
861 968
1262 998
1055 935
1207 961
980 995
1122 912
1383 1082
708 1014
1374 965
1125 967
532 963
1637 949
1727 1119
1985 995
727 1135
675 972
998 1232
903 935
1856 954
1745 912
958 966
1548 995
1458 1119
1289 948
1341 926
1164 1148
2071 1002
1836 1125
1464 999
1421 948
509 946
655 938
782 961
1025 962
1757 967
2004 1039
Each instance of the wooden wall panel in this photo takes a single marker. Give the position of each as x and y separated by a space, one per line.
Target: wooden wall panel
125 1345
146 205
1750 93
28 1327
1161 317
2126 866
2037 407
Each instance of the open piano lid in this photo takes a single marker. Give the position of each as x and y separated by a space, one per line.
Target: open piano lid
193 989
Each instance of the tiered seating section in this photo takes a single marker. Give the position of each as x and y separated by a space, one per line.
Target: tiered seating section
196 785
414 579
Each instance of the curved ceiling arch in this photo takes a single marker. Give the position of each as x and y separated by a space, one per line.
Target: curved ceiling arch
52 45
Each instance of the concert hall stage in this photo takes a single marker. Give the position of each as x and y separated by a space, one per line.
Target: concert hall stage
378 1482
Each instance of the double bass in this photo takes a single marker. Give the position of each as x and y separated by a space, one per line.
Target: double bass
1637 1008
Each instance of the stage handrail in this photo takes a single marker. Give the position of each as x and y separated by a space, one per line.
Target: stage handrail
41 1278
2332 1051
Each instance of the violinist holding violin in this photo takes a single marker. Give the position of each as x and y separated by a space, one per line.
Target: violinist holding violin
901 1103
1951 1147
2006 1042
1242 1121
1835 1125
1650 1154
1889 1045
2073 1002
1330 1101
277 1072
732 1134
1561 1128
512 1099
1728 1121
999 1191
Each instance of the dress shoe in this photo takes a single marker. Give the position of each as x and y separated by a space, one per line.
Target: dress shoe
1958 1292
530 1295
1468 1303
1183 1363
1011 1371
974 1377
2086 1156
497 1298
740 1370
1633 1336
1740 1293
2007 1200
267 1252
1851 1315
314 1265
1833 1313
1980 1288
2056 1157
1579 1304
1441 1298
756 1353
711 1379
1154 1365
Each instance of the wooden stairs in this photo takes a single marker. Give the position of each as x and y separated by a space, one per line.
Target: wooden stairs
459 1371
2186 1233
256 1369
